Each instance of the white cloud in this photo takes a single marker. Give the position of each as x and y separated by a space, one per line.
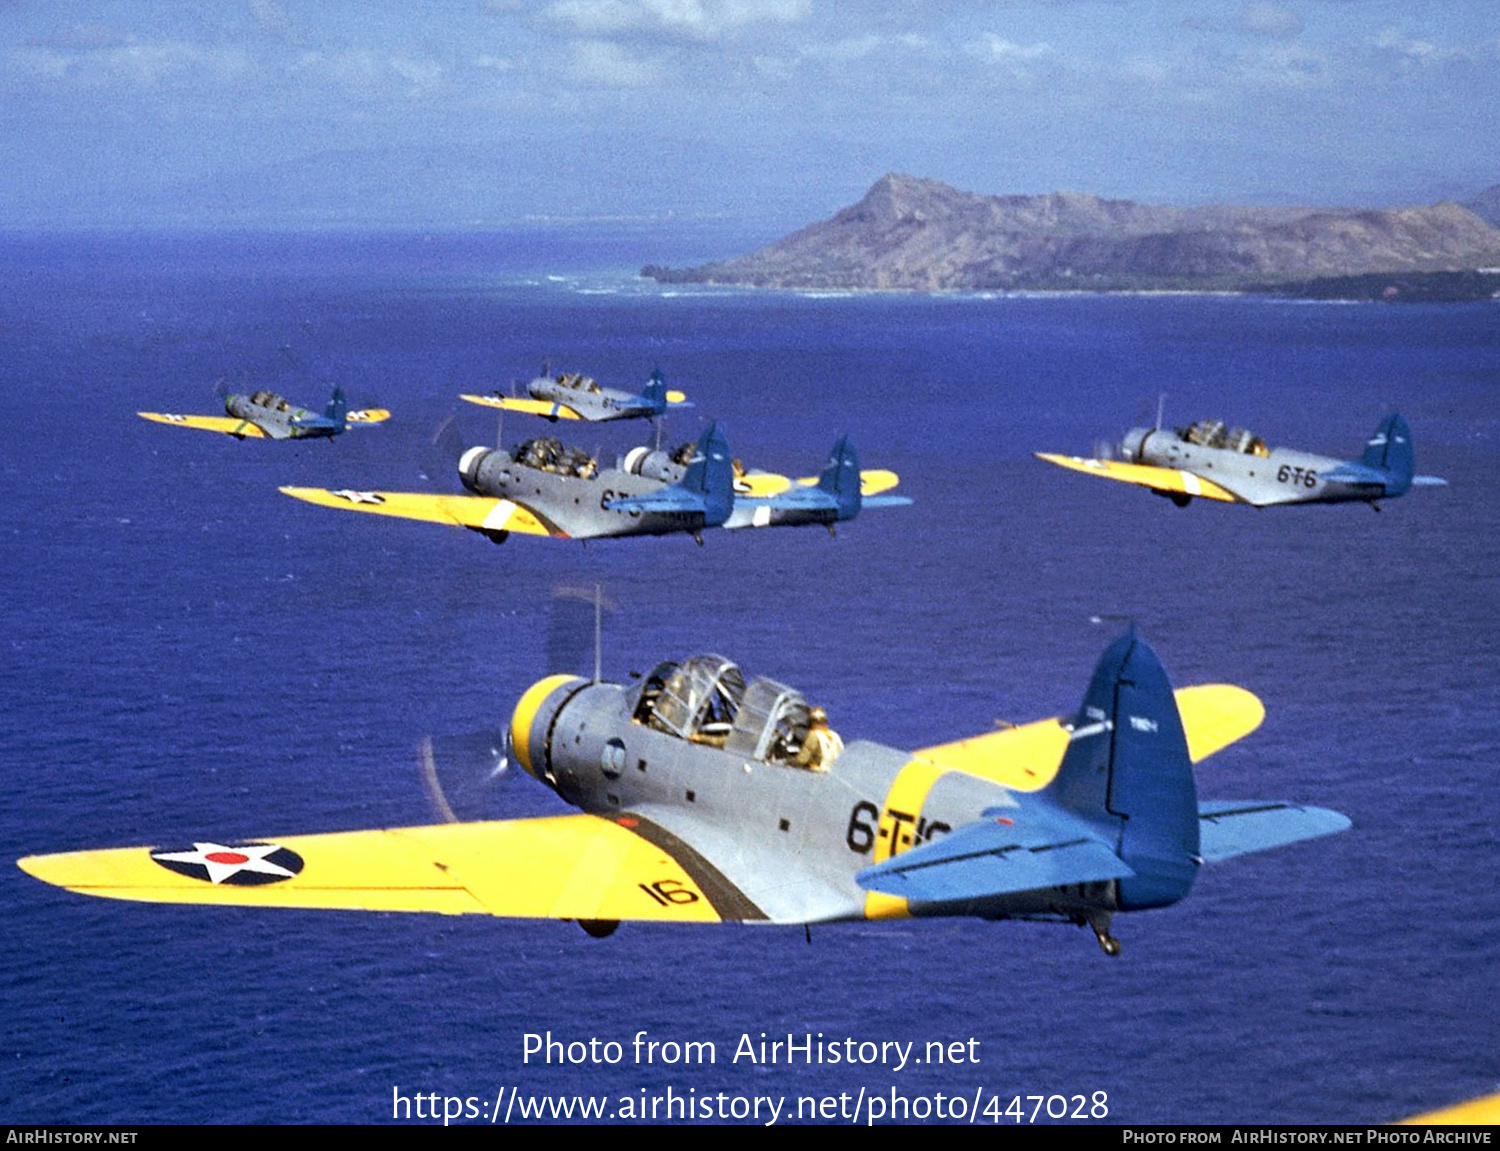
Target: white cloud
861 47
417 73
602 64
129 61
992 47
1409 49
700 20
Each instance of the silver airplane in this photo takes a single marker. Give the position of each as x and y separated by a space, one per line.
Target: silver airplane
700 804
572 396
544 488
1213 462
265 415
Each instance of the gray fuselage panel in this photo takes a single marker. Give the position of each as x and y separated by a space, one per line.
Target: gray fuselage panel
576 504
1284 476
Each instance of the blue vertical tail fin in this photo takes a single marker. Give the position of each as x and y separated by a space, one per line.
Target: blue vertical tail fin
1127 771
338 407
840 478
1390 451
655 392
710 476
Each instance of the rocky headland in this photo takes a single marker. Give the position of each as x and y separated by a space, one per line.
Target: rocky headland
914 234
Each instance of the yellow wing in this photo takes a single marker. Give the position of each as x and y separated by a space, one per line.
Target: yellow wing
562 867
765 484
1484 1111
1158 479
546 408
227 425
482 513
873 481
367 416
1026 758
760 484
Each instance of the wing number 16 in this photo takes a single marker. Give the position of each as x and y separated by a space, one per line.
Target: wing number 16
669 891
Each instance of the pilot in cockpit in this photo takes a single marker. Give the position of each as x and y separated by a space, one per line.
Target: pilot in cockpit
821 746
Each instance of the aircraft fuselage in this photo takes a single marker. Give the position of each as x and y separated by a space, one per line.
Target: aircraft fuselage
575 504
583 740
588 399
279 418
1282 476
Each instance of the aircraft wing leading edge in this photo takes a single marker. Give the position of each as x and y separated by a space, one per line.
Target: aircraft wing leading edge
225 425
561 867
482 513
1146 475
547 409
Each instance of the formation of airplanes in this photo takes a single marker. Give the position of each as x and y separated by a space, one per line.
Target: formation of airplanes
266 415
705 796
695 808
545 488
572 396
1214 462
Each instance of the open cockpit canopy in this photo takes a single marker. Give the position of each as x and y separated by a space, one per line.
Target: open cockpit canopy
549 454
705 699
1217 434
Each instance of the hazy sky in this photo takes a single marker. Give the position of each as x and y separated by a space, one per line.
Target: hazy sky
311 112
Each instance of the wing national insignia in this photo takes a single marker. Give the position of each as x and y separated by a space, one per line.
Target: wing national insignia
241 865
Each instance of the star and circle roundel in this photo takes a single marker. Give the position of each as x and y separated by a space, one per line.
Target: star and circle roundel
238 865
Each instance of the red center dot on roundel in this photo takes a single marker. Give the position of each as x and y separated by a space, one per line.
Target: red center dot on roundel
226 857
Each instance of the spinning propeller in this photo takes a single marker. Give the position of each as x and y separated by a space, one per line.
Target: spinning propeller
462 774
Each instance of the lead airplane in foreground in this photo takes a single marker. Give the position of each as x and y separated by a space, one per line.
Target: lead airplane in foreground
577 397
1213 462
545 488
694 809
265 415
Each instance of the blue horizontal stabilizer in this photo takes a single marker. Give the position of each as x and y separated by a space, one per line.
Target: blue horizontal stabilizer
887 502
1227 828
1351 473
796 498
990 858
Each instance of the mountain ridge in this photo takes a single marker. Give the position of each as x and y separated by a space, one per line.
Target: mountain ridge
919 234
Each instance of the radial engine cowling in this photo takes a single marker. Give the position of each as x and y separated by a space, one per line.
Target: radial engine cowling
469 464
1133 444
653 464
532 721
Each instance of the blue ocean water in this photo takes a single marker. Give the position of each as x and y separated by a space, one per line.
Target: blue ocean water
192 655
